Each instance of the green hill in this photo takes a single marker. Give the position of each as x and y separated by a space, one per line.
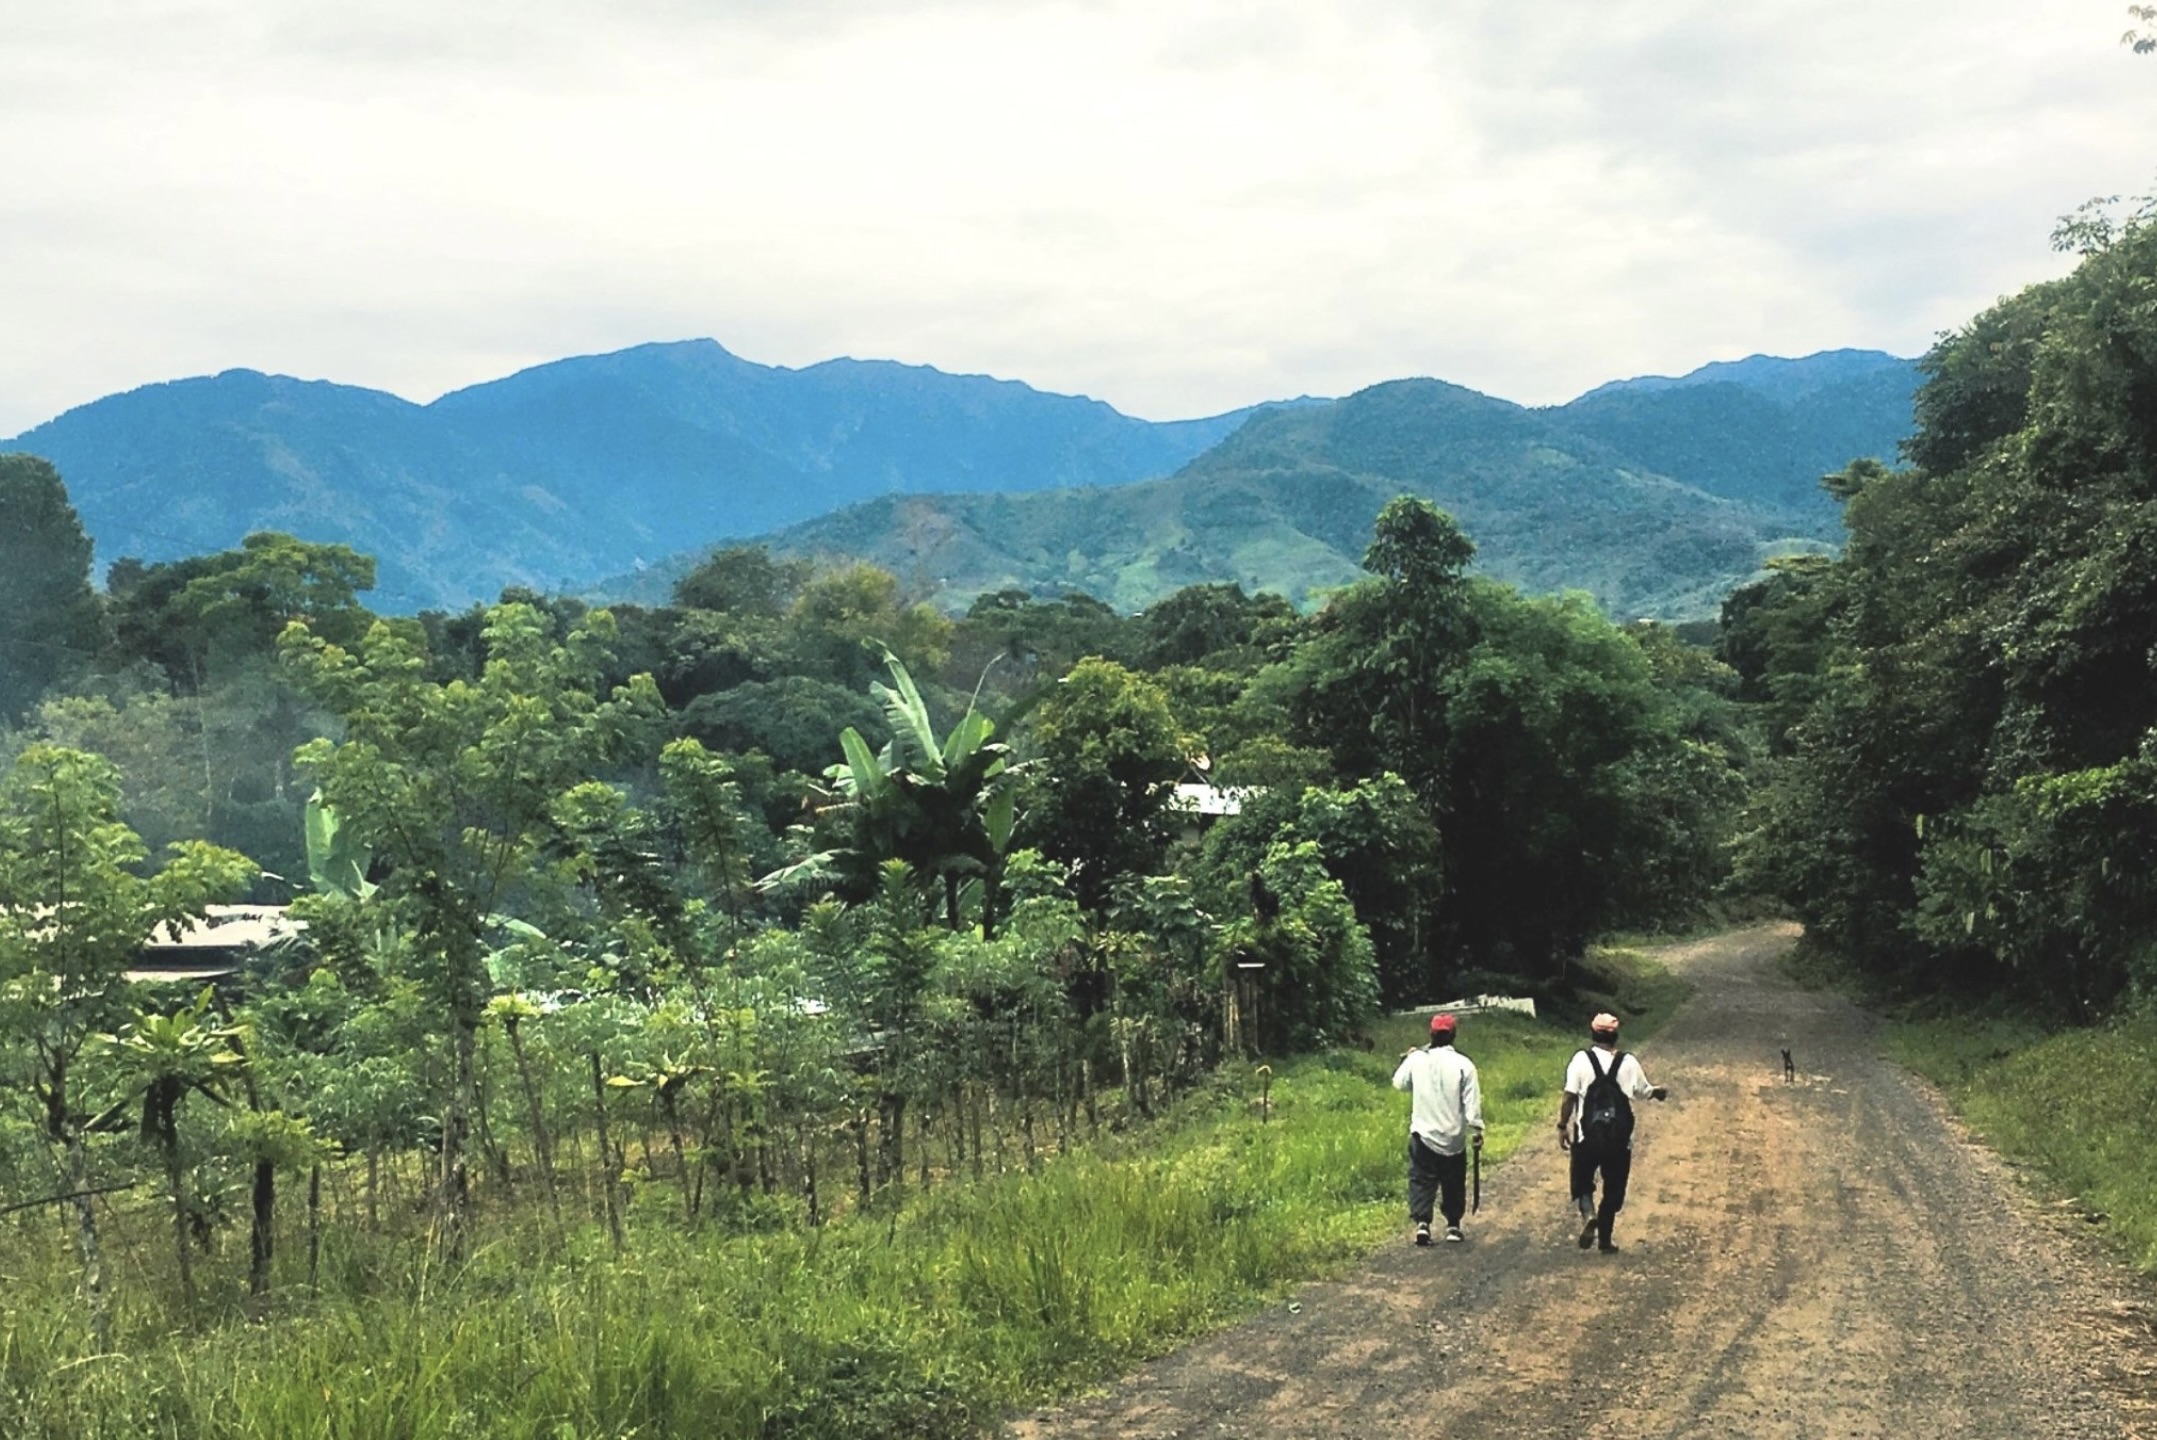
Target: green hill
1286 503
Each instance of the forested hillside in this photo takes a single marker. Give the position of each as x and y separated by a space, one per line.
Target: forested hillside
1656 501
1759 430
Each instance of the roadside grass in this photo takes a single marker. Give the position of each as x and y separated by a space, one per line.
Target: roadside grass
971 1301
2079 1106
2076 1106
1629 983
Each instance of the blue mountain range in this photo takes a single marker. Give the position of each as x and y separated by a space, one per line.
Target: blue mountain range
609 465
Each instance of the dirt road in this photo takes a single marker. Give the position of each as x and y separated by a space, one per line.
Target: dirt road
1821 1258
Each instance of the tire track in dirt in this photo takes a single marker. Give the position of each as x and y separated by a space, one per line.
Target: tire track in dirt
1824 1258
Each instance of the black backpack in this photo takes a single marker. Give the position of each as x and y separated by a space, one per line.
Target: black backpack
1606 1115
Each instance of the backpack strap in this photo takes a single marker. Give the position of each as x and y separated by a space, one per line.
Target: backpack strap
1597 1070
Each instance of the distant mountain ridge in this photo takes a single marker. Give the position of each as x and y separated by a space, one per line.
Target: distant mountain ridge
1552 498
1777 378
1760 429
1655 493
562 473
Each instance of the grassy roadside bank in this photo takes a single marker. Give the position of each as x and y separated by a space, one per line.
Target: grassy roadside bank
935 1321
2077 1106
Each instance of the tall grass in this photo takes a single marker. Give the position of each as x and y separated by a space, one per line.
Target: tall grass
934 1320
2078 1105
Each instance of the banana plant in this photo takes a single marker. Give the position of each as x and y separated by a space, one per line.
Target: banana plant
945 807
336 859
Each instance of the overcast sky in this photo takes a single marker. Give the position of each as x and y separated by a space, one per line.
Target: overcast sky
1177 206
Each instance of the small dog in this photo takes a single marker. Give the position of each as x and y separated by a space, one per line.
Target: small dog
1790 1069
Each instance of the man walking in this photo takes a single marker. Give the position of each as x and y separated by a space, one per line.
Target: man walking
1445 1116
1595 1122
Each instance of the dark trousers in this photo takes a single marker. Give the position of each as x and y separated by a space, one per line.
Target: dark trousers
1616 1169
1434 1176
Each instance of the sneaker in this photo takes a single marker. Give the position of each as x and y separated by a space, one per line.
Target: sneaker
1587 1234
1423 1234
1453 1235
1608 1247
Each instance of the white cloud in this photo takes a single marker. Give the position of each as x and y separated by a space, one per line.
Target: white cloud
1178 207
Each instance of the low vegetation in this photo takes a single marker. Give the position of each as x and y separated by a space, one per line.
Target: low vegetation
2077 1105
934 1318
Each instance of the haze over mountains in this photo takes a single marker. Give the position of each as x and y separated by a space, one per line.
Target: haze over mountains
1655 494
561 474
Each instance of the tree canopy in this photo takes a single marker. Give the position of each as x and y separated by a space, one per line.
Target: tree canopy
1966 694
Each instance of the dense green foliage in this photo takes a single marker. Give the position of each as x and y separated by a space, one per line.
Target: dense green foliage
1966 696
49 620
690 933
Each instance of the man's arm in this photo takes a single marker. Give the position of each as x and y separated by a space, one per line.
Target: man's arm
1642 1088
1565 1121
1405 1077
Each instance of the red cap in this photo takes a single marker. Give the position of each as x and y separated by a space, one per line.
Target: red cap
1441 1024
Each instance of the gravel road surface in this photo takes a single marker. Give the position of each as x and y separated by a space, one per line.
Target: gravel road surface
1824 1257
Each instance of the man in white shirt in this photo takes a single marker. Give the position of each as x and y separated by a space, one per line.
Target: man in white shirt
1595 1122
1445 1116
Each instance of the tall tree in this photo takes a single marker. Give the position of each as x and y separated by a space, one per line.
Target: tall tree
1110 758
1372 676
49 618
743 580
453 787
201 617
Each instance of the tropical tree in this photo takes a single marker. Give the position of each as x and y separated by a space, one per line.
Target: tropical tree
75 912
944 808
1368 683
453 786
1109 757
743 580
201 617
163 1059
1313 960
49 619
705 808
1376 838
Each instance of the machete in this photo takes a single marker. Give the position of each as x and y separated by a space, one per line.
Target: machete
1476 1203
